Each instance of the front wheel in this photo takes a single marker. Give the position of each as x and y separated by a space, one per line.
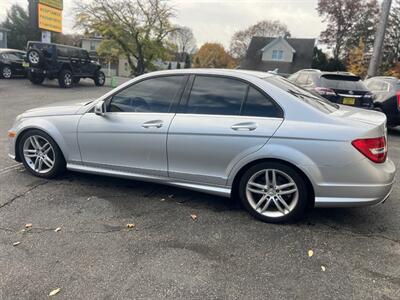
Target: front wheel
6 72
99 78
36 78
274 192
40 154
65 79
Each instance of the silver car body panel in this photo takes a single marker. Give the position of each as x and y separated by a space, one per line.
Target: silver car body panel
204 153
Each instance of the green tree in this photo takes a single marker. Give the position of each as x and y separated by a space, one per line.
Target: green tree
320 60
17 21
139 28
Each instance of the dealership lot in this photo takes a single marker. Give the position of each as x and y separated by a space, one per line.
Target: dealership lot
184 244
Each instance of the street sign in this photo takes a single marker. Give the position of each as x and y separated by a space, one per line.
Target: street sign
53 3
49 18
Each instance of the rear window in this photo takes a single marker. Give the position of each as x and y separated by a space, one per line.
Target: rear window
304 95
341 82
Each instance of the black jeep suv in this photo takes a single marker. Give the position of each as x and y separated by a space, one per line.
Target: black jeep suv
67 64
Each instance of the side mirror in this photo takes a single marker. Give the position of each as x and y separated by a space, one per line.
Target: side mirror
99 108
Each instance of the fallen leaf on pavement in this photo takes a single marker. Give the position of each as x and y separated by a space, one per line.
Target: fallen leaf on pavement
29 225
130 225
323 268
310 253
163 199
54 292
16 244
57 229
171 196
193 216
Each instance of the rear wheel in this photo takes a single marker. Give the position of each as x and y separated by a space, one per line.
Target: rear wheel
65 80
99 78
6 72
40 154
274 192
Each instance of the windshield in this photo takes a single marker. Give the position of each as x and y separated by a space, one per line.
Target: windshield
314 100
338 82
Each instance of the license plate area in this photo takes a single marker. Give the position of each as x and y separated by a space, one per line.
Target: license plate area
25 64
349 101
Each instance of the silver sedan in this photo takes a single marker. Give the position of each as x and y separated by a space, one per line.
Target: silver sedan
278 147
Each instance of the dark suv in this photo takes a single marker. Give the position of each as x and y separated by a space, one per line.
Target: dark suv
338 87
67 64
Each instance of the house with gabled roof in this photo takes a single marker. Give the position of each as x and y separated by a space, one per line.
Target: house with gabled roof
280 54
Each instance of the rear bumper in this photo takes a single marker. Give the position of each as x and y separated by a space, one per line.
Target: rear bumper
382 193
374 185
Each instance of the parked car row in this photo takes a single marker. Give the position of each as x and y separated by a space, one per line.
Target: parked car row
52 61
379 93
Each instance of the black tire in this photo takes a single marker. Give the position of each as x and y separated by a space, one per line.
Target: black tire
65 79
59 161
99 78
299 207
76 80
6 72
35 78
35 57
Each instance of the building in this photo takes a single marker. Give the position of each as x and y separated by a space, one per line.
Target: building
3 37
283 55
91 44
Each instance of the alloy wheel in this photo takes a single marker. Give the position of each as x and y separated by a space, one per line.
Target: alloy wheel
39 154
272 193
7 72
33 57
68 79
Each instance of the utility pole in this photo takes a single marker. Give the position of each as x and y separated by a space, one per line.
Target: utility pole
379 37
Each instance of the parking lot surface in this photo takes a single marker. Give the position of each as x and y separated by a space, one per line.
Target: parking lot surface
184 245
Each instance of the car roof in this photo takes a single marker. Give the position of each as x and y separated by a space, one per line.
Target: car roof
210 71
384 78
54 44
2 50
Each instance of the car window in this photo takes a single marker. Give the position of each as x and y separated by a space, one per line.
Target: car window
259 105
302 94
62 51
216 96
150 95
341 83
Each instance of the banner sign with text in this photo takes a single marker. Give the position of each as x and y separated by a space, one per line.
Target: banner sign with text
53 3
50 18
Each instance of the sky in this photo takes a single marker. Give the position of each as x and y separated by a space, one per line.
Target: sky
218 20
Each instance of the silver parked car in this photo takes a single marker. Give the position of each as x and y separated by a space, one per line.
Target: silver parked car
278 147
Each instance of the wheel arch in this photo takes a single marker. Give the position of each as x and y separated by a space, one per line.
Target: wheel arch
21 133
243 169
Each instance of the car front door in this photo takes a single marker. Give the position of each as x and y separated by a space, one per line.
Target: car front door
132 135
87 67
222 121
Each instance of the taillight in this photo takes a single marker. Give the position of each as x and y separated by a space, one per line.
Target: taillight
398 99
374 149
325 91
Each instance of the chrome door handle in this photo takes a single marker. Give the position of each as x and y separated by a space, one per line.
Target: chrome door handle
153 124
245 126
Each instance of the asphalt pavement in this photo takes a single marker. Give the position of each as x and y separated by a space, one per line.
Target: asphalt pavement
184 244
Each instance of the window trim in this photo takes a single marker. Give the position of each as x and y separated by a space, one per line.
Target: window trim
183 104
173 106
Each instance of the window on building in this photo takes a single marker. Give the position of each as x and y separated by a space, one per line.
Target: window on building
92 46
277 54
1 36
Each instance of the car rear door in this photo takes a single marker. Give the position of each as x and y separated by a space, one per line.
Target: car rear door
132 135
221 121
